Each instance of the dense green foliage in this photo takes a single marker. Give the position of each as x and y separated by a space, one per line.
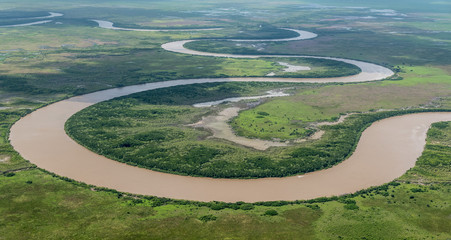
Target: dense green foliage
271 212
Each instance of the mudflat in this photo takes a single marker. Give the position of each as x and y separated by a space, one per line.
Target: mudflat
218 124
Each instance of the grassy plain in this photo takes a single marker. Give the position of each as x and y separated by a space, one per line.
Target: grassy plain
85 60
420 87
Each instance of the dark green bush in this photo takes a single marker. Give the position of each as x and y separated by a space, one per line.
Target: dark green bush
351 206
247 206
271 212
207 218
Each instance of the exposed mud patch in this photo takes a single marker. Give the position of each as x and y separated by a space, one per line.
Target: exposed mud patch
218 125
4 158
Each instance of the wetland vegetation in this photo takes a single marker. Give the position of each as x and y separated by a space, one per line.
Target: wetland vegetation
44 63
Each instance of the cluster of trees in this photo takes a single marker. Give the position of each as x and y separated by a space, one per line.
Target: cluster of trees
207 218
18 84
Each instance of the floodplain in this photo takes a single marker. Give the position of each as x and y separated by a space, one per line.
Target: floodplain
70 56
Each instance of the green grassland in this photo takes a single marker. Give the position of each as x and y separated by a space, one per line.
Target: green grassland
420 87
280 118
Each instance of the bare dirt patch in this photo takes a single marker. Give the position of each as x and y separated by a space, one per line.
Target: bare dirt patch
221 129
4 158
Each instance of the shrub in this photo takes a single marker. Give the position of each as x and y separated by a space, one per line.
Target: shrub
217 206
415 190
394 184
271 212
207 218
351 206
347 201
247 206
314 207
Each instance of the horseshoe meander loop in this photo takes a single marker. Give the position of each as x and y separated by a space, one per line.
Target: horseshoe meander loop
385 151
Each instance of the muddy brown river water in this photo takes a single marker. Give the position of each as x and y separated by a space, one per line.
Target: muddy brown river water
386 150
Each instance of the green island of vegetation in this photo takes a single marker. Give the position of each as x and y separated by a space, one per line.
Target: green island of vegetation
150 129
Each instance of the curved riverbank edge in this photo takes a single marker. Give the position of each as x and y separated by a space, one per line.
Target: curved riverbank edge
52 15
27 24
302 35
369 71
385 151
110 25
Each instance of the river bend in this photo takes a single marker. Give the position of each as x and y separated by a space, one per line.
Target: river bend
386 150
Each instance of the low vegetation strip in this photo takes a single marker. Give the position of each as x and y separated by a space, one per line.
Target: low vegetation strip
10 160
434 165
